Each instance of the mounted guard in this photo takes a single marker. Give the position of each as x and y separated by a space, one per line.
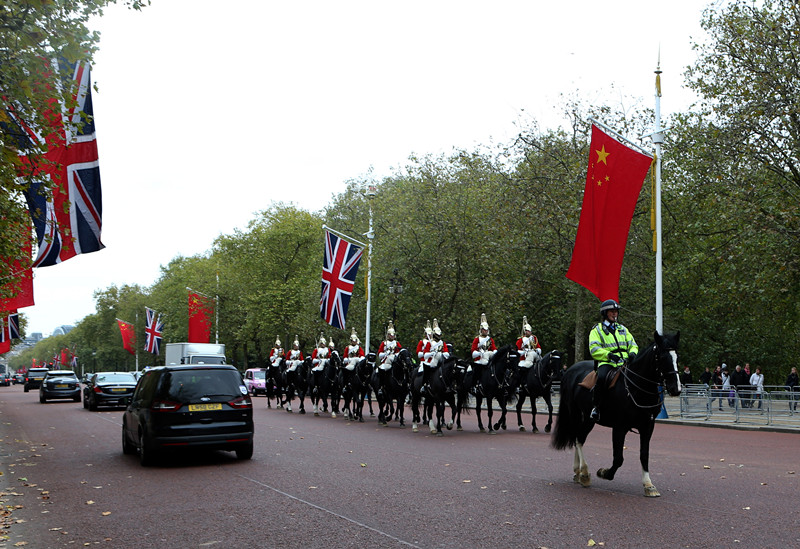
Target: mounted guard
294 356
434 352
387 351
276 354
530 352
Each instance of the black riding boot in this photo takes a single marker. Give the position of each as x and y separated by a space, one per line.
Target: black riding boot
598 391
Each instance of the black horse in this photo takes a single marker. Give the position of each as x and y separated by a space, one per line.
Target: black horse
296 383
354 385
535 382
442 388
496 381
394 389
325 383
633 403
274 383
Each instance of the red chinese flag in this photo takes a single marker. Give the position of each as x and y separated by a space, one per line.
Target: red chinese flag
613 182
200 311
128 336
18 285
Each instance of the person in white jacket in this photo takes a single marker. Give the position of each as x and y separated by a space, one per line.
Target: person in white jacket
757 381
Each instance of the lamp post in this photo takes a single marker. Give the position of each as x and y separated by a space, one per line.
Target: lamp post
395 288
370 191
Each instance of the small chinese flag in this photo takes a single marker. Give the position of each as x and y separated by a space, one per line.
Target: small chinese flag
128 336
613 182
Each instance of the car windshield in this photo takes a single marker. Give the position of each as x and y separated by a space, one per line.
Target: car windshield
62 375
37 374
115 378
191 385
260 374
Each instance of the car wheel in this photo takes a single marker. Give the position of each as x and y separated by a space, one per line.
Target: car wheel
92 404
26 389
85 403
127 448
42 399
245 451
147 455
76 398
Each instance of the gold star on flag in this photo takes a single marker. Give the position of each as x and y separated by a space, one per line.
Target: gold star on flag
602 154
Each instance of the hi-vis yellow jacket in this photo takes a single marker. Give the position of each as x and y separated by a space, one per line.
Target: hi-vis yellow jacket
614 338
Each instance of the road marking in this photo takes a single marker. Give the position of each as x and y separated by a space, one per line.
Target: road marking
315 506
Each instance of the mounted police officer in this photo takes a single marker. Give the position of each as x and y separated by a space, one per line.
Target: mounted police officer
528 346
611 345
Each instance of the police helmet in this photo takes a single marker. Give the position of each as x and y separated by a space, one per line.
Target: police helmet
608 305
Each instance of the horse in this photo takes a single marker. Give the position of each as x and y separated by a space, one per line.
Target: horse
633 403
296 381
354 385
274 383
441 390
536 382
395 390
325 383
495 380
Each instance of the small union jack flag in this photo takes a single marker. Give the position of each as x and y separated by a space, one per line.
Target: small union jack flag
9 329
152 331
339 269
68 220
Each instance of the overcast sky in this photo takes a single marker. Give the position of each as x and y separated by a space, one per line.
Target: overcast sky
208 111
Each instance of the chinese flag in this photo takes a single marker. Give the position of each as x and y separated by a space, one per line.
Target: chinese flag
613 181
200 311
128 336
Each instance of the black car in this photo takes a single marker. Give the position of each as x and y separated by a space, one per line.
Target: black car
19 379
34 377
107 389
60 384
5 380
191 406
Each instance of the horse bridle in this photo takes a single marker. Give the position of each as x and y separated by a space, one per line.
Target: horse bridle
627 373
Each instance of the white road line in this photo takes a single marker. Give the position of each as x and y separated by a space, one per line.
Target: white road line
315 506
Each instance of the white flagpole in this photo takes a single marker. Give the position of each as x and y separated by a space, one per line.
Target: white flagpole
658 140
370 235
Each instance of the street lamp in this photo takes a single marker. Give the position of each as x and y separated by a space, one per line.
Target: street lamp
395 288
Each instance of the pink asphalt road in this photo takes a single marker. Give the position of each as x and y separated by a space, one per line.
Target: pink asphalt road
323 482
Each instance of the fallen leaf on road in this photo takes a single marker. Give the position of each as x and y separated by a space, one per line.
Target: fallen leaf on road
591 543
745 508
706 467
363 464
105 513
466 481
763 484
90 502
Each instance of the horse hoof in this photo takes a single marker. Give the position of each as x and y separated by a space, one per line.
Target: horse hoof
333 415
521 427
459 428
439 434
535 430
482 430
449 426
547 428
414 428
302 411
503 426
605 474
651 492
585 480
492 432
361 420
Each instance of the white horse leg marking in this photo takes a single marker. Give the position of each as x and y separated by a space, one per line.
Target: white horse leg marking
583 474
649 488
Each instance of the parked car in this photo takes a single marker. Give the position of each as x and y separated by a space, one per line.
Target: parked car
60 384
191 406
5 380
34 377
107 389
19 379
255 379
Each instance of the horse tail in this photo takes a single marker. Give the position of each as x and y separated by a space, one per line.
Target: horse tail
564 430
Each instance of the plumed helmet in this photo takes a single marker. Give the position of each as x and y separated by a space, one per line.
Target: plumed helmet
428 329
322 341
484 324
354 337
296 342
331 344
608 305
525 326
436 330
390 329
278 342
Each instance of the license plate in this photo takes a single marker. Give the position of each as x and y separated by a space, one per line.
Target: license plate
204 407
118 389
62 386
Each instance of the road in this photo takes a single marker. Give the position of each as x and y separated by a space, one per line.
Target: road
317 481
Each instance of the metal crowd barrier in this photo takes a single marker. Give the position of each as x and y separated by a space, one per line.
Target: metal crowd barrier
775 405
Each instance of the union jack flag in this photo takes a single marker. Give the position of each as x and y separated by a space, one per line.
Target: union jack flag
339 269
68 220
9 329
152 331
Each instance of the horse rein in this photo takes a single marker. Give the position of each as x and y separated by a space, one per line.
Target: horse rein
627 374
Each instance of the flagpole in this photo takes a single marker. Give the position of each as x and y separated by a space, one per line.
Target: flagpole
216 313
344 236
370 235
137 346
658 140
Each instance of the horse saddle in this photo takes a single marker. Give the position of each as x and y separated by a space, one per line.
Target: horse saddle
591 379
